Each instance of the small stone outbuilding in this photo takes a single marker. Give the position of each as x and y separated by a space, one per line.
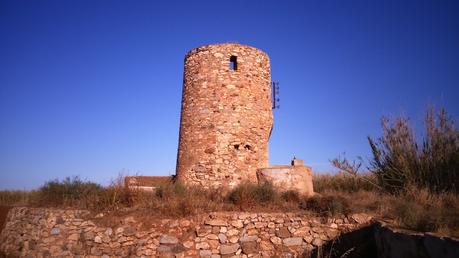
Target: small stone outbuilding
297 177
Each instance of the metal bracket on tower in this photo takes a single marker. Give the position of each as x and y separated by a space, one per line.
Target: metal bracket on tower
275 95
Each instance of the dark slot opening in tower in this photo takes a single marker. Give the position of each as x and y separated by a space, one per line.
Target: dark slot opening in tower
233 63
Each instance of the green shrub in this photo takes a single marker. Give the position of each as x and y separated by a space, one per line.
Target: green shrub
399 161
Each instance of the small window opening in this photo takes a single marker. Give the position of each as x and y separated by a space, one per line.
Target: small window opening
236 146
233 63
247 147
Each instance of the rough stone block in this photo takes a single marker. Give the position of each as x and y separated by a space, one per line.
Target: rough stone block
293 241
229 249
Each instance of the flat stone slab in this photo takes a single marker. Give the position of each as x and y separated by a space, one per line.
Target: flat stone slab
167 239
216 222
292 241
229 249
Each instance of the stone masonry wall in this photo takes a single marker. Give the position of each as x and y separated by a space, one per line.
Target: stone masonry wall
39 232
226 116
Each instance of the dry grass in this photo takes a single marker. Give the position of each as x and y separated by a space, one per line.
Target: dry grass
343 183
415 180
416 209
326 205
423 210
16 197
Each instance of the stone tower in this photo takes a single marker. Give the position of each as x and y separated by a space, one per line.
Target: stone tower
226 117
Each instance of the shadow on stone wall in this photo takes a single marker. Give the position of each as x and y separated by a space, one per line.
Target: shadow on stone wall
355 244
380 240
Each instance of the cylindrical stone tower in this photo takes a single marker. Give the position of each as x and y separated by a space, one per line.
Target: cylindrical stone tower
226 117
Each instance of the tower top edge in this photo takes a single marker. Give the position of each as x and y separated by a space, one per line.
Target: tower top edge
222 45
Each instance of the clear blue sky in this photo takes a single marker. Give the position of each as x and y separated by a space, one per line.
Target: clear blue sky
93 88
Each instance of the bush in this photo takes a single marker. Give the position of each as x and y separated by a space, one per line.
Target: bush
69 191
169 189
177 200
264 193
291 196
325 205
248 194
398 160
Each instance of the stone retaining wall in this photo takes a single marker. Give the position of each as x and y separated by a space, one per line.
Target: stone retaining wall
38 232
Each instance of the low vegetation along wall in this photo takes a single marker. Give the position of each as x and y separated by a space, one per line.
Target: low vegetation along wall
40 232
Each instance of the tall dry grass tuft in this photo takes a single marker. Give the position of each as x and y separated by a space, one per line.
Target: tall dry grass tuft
418 178
114 197
399 161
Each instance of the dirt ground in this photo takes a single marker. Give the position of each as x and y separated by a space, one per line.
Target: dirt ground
3 212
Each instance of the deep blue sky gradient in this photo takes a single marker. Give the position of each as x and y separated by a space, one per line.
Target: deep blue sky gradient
93 88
